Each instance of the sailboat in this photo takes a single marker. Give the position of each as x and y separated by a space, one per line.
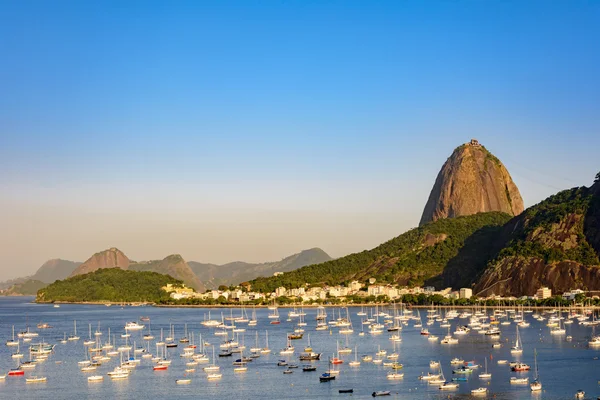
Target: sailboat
12 342
74 335
266 349
90 341
255 349
354 363
308 347
149 335
486 374
361 312
536 385
213 366
185 338
253 321
85 362
517 348
18 353
445 385
345 349
289 349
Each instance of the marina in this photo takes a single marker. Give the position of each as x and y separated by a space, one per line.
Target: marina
398 362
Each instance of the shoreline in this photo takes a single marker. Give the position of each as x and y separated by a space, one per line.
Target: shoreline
366 305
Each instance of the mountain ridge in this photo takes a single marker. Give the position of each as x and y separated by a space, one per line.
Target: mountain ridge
173 265
214 275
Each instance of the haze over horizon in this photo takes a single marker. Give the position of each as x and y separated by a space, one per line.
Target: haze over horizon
237 130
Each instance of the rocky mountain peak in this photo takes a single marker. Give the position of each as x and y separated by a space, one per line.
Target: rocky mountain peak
472 180
111 258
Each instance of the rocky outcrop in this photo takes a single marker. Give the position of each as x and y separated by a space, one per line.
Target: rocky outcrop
471 181
111 258
555 243
523 276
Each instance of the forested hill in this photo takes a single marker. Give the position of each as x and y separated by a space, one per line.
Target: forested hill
555 243
409 259
111 285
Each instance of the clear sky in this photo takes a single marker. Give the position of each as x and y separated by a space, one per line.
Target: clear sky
250 130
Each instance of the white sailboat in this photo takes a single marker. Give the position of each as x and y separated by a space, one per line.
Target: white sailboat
517 348
354 363
486 374
90 341
266 349
213 366
74 335
536 385
12 342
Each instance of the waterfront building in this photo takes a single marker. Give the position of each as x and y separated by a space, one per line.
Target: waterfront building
543 293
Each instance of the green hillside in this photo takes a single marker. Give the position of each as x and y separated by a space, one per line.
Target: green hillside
555 243
28 288
173 265
109 284
412 258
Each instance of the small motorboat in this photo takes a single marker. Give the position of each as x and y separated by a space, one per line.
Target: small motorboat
346 391
309 368
381 393
35 379
480 390
282 363
395 375
95 378
288 371
516 380
448 386
183 381
580 394
16 372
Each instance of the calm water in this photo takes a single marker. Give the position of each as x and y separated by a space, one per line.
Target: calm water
564 366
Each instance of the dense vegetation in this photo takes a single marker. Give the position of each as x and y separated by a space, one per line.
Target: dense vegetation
411 258
541 222
421 299
109 284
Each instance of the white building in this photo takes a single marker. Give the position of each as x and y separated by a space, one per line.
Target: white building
543 293
375 290
465 293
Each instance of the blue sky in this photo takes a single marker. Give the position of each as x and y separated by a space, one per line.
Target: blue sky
254 129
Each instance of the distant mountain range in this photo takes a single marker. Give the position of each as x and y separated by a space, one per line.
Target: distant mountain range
213 275
200 276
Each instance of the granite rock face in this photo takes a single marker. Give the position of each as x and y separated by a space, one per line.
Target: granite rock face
471 181
111 258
